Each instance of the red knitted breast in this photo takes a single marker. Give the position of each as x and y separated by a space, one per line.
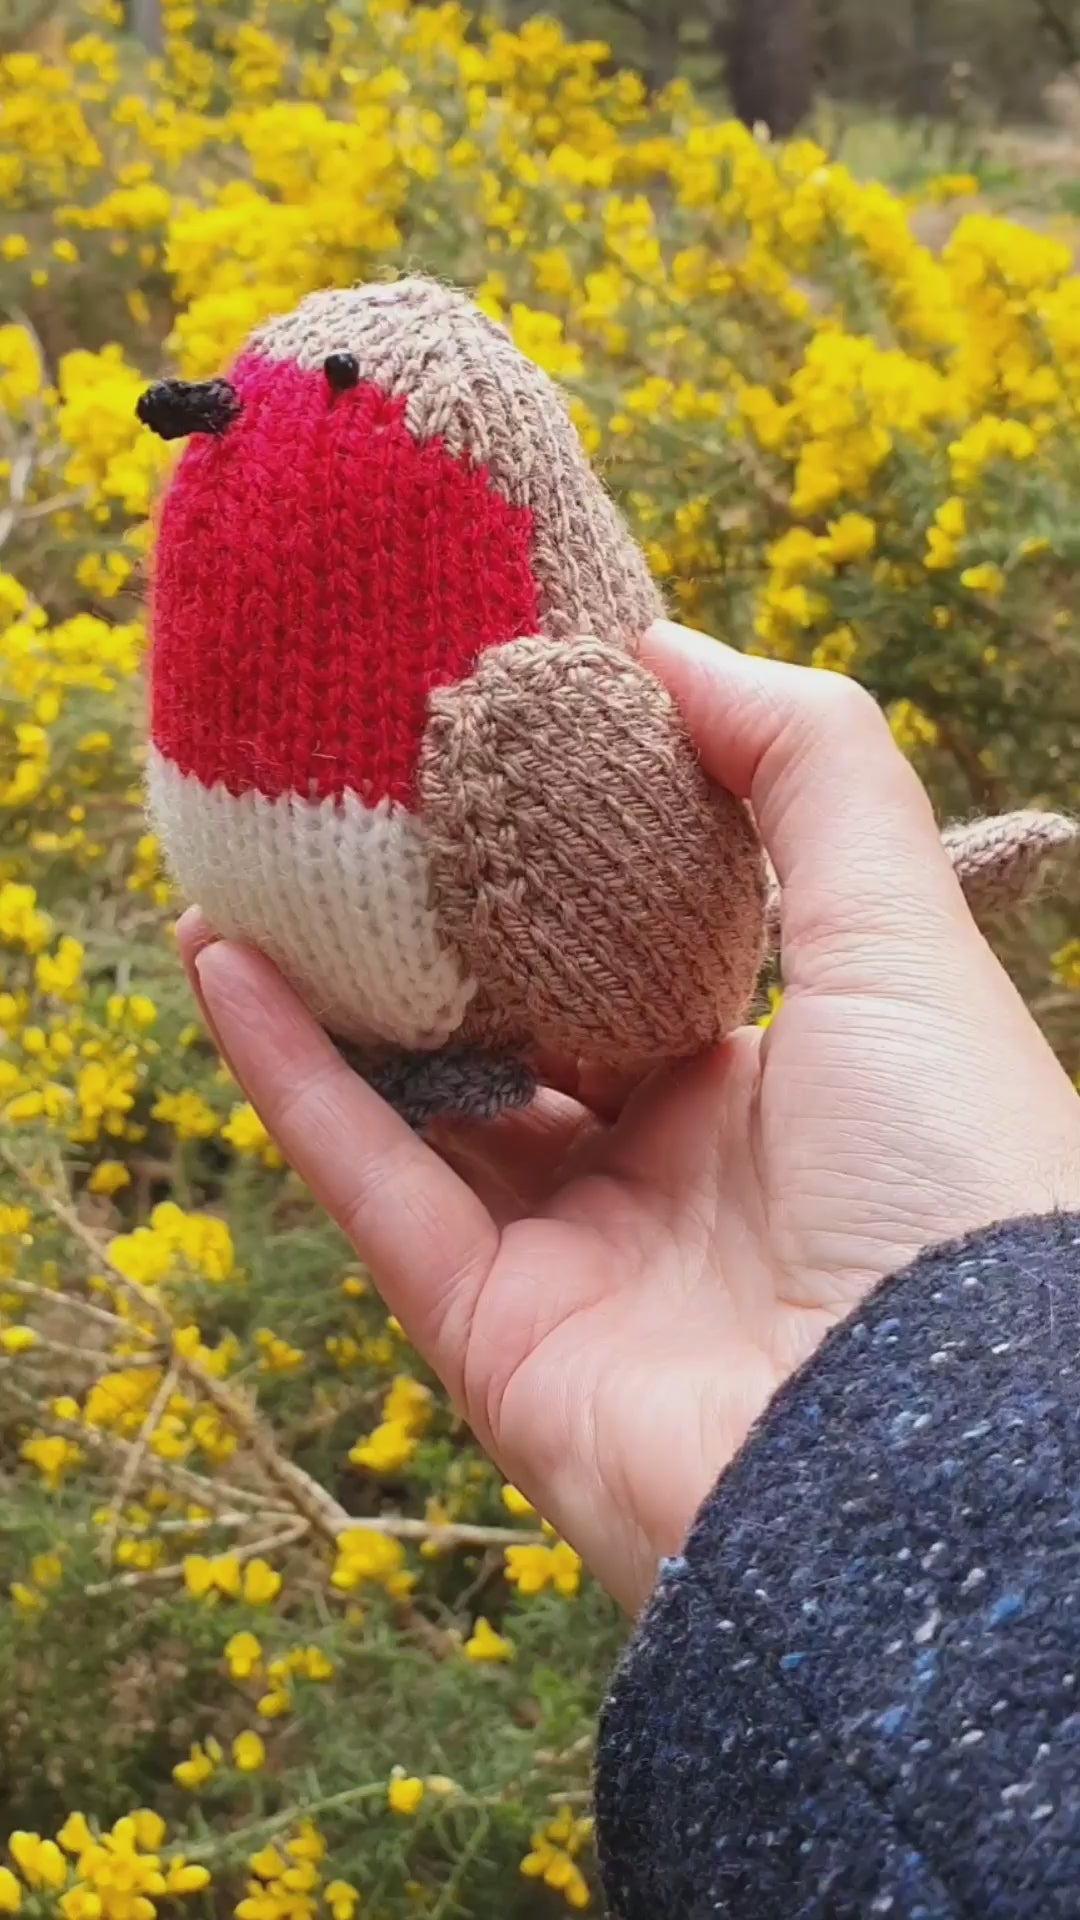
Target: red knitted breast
317 572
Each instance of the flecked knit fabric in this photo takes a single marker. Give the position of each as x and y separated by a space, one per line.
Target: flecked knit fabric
857 1691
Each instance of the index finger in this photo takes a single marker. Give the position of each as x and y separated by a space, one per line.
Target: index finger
427 1238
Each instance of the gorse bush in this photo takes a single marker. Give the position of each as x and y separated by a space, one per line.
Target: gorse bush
274 1638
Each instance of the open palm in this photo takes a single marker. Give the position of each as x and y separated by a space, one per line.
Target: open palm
614 1284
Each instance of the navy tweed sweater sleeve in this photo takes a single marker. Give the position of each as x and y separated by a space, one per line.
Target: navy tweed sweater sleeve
857 1690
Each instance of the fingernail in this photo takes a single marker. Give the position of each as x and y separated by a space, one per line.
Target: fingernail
208 993
210 962
212 970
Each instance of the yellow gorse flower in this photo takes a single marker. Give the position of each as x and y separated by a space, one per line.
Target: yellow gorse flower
485 1646
173 1242
534 1568
552 1857
248 1752
837 444
256 1583
199 1766
366 1556
406 1416
119 1874
243 1653
404 1793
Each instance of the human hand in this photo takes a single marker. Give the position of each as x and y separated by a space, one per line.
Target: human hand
612 1291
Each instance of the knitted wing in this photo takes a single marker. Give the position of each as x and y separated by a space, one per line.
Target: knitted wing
608 897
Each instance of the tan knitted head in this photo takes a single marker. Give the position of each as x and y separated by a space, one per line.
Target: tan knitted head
465 384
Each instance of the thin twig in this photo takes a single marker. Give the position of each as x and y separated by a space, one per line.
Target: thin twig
59 503
304 1494
214 1523
208 1493
224 1846
448 1896
449 1533
318 1508
158 1576
19 471
91 1357
52 1296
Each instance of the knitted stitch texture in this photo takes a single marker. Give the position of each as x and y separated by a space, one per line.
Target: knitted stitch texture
665 966
399 741
462 1081
353 569
1000 862
337 893
857 1691
391 498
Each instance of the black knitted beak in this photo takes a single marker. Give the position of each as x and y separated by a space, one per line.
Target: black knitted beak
174 408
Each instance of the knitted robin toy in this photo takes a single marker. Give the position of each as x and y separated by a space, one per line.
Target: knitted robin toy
400 740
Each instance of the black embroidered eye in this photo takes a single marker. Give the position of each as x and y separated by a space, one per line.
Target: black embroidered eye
174 408
342 370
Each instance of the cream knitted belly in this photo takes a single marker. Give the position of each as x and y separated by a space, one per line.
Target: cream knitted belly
337 894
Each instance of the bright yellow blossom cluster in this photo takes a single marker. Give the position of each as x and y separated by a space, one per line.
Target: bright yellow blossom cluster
288 1881
367 1557
552 1856
175 1241
256 1583
120 1874
841 421
532 1569
406 1414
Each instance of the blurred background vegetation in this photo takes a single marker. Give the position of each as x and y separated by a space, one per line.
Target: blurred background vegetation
275 1640
981 60
993 57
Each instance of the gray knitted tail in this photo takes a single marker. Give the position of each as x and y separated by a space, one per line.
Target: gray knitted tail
452 1083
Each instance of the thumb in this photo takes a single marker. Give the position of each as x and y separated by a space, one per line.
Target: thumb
1000 862
863 876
